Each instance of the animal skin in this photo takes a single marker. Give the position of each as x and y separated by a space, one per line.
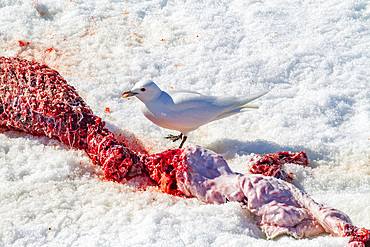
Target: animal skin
36 99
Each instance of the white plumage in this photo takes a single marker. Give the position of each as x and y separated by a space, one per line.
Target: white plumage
185 110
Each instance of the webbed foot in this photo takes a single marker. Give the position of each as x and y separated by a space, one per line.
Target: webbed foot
174 138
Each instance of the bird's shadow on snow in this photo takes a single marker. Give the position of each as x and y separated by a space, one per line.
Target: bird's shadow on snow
230 148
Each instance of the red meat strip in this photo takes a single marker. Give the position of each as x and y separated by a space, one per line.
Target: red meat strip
36 99
272 164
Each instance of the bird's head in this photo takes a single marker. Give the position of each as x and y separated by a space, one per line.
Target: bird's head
144 90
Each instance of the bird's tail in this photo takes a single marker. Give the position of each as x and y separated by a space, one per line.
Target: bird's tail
249 106
243 107
250 98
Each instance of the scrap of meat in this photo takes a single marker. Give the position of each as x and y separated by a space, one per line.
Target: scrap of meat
36 99
272 164
279 206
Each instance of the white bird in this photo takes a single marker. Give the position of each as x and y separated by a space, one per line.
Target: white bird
185 110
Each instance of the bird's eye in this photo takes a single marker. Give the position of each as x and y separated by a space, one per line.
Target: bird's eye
142 90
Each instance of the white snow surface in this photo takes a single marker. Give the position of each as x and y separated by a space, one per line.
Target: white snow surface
312 55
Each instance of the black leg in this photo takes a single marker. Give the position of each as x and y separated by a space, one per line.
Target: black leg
183 141
174 138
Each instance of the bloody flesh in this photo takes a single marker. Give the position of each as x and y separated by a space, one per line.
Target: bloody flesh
36 99
272 164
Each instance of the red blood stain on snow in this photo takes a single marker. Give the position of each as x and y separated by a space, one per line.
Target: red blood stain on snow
49 50
22 44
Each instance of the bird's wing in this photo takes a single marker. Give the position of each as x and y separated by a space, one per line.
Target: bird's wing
184 100
181 91
191 110
188 110
252 97
237 105
237 102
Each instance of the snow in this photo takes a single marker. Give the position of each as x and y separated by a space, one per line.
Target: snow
312 55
